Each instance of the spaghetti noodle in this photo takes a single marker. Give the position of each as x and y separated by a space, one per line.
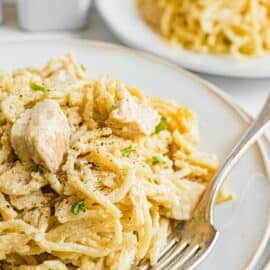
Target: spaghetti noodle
116 196
240 28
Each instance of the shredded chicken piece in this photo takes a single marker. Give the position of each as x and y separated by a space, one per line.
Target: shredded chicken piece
130 119
42 135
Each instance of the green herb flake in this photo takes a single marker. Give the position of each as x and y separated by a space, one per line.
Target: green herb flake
155 160
125 151
38 169
83 67
38 87
78 207
161 125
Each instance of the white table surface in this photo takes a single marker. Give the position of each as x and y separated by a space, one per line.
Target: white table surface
248 93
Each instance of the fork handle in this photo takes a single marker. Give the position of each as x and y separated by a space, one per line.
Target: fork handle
249 137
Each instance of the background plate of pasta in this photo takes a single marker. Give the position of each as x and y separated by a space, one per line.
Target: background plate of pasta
100 157
229 38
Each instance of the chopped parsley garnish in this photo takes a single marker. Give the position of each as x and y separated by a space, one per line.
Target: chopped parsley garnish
38 169
83 67
161 125
155 160
38 87
78 207
125 151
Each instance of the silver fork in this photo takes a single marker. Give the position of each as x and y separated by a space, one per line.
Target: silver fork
193 240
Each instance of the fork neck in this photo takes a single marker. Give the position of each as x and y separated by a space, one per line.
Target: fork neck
249 137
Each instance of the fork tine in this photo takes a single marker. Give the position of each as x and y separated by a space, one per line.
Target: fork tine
187 254
170 255
168 247
192 262
172 242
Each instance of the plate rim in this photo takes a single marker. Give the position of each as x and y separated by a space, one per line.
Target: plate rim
208 86
190 66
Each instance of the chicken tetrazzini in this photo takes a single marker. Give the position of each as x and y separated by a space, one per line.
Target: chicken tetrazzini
93 174
236 27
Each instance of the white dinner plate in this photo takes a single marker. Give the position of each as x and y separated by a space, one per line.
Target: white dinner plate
124 20
244 222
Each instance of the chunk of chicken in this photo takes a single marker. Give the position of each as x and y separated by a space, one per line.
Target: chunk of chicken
42 134
130 119
188 200
18 136
34 200
48 134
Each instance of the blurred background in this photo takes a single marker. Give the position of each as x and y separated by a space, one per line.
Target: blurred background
81 19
